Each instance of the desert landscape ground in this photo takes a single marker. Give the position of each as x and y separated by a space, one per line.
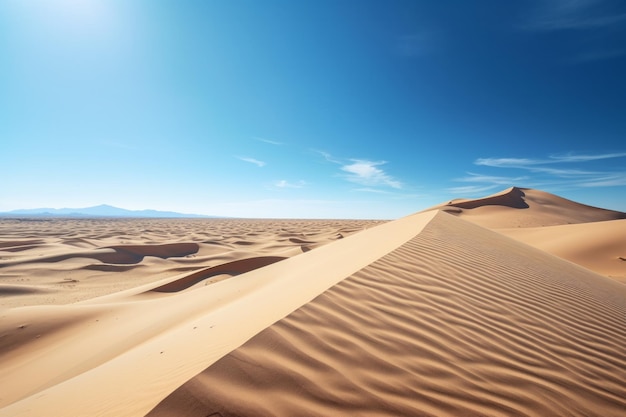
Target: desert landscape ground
509 305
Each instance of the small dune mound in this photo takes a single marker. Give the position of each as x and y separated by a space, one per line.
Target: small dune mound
300 241
230 268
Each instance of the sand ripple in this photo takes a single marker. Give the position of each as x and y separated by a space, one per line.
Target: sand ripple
459 321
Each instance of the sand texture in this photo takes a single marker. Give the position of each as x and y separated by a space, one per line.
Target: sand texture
588 236
474 308
598 246
423 331
59 261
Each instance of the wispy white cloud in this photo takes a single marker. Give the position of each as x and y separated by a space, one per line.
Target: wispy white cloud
470 189
371 190
368 173
496 180
287 184
327 156
579 22
563 173
585 158
364 172
613 180
487 182
549 169
604 17
256 162
269 141
527 163
574 15
506 162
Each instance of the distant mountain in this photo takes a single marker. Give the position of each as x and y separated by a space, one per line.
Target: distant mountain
102 210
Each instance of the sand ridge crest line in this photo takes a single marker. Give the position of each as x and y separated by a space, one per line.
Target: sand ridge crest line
253 301
525 207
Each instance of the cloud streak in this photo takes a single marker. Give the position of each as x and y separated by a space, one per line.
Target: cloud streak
548 169
487 182
363 172
327 156
601 17
574 15
287 184
256 162
269 141
368 173
554 159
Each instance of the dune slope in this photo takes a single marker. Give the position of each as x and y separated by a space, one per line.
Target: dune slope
598 246
588 236
459 320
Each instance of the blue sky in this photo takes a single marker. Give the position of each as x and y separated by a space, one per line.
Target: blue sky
309 109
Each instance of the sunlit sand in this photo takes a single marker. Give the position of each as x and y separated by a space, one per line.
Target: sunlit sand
513 304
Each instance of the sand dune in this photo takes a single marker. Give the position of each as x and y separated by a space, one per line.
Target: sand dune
429 315
458 321
58 261
118 341
598 246
588 236
525 207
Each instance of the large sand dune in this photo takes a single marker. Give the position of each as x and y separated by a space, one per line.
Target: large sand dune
525 207
430 314
588 236
458 321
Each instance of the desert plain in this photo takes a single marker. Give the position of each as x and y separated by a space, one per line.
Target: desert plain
509 305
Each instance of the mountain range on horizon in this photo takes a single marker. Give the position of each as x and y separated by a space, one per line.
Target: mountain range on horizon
511 198
102 210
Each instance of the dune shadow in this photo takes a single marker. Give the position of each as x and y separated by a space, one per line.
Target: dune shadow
230 268
12 289
16 243
121 254
514 199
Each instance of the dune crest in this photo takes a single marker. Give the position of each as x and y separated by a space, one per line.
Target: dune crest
513 197
588 236
526 207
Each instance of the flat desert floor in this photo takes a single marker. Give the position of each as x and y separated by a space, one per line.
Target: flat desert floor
510 305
